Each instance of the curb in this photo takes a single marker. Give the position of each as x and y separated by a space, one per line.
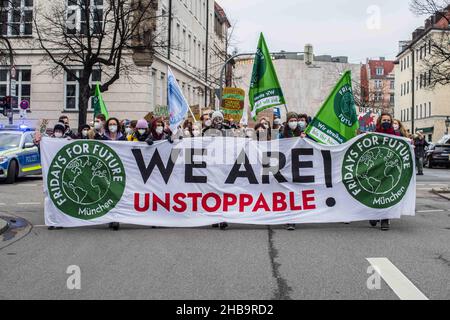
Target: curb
4 225
441 194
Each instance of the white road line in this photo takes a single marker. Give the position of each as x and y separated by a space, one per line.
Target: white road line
2 204
428 211
398 282
29 203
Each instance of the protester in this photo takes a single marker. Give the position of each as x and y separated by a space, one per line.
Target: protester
187 129
420 143
141 132
99 127
113 130
384 125
302 122
159 131
399 128
83 132
291 129
217 128
262 133
197 129
68 133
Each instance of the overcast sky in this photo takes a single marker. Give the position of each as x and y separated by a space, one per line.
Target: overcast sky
354 28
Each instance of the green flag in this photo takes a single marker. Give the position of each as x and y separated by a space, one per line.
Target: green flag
336 122
99 104
265 91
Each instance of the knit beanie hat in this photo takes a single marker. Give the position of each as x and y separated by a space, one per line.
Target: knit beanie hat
142 124
291 115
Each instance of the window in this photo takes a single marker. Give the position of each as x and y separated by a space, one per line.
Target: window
392 99
17 17
392 85
380 71
421 115
72 88
23 84
407 61
378 84
429 109
79 16
401 66
429 77
401 90
407 114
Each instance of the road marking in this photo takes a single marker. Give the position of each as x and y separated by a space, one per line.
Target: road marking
2 204
424 188
395 279
29 203
428 211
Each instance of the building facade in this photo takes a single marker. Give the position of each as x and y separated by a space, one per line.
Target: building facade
305 88
378 86
419 105
188 27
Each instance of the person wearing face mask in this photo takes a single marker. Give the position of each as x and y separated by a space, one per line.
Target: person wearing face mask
99 127
399 128
384 125
68 133
291 129
58 131
218 127
197 130
113 131
158 132
266 126
141 132
187 129
83 132
206 122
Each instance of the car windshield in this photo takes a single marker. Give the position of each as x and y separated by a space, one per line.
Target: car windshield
9 140
442 148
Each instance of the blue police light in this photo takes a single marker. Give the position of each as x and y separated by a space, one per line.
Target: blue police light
23 127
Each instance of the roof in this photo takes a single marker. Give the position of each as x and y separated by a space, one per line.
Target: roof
436 22
221 14
387 65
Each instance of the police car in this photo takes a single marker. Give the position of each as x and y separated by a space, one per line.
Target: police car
19 157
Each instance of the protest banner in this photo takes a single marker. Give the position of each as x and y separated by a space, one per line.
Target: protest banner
202 181
233 103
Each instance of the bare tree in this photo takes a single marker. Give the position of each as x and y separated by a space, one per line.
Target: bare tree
436 65
92 34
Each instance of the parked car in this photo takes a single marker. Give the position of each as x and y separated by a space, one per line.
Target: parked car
19 156
438 155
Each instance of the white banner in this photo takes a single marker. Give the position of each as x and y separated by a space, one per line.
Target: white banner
199 182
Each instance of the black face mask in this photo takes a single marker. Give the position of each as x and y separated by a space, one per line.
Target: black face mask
386 125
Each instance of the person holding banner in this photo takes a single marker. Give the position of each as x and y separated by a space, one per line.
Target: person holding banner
385 125
141 132
99 127
83 132
158 132
113 131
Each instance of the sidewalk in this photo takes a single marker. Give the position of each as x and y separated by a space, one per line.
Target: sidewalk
3 225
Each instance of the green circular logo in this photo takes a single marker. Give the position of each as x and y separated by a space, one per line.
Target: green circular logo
86 180
344 106
377 170
259 68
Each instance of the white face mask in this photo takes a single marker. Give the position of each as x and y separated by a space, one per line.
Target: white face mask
396 127
85 133
128 130
98 125
113 129
196 133
302 125
265 125
142 131
187 133
159 130
58 134
293 125
208 123
277 122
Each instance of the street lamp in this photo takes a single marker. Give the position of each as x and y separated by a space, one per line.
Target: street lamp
447 123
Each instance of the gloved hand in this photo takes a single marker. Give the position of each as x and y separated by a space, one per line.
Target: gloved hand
149 141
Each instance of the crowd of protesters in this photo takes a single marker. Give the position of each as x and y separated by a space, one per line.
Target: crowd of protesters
214 124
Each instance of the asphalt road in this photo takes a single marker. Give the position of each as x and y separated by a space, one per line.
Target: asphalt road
326 261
